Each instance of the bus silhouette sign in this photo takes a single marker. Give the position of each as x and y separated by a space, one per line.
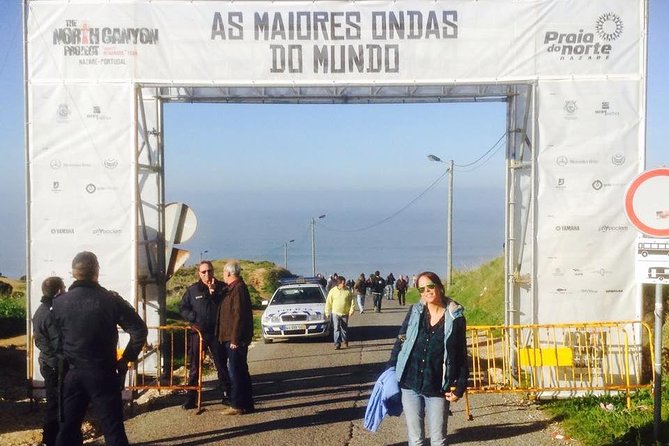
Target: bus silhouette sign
647 203
647 208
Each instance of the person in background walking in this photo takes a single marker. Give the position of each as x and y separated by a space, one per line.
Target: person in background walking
199 306
339 303
235 332
87 318
390 282
401 286
360 289
377 285
430 360
46 339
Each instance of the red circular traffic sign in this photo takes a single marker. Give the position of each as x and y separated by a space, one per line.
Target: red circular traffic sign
647 202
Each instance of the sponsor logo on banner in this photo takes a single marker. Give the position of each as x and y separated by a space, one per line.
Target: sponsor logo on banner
605 110
102 231
62 231
562 160
618 159
102 43
594 42
55 186
602 272
560 185
599 184
577 272
588 291
570 108
567 228
618 291
92 188
613 228
557 272
63 113
57 164
96 113
111 163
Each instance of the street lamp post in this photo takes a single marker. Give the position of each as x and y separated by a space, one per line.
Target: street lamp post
285 253
202 253
449 221
313 244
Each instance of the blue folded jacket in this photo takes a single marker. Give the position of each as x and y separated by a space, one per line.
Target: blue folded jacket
386 399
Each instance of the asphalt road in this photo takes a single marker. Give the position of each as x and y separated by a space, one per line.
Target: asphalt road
307 393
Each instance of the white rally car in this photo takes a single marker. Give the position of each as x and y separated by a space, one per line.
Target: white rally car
296 310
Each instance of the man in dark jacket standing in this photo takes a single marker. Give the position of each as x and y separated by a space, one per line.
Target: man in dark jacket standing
235 332
377 284
46 339
87 317
199 306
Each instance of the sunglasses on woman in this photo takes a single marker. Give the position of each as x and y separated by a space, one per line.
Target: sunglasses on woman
428 286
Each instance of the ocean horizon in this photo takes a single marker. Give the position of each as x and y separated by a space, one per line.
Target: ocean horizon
361 232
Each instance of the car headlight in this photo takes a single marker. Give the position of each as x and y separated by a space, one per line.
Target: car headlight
271 320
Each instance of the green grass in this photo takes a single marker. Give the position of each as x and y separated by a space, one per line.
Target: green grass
585 418
12 308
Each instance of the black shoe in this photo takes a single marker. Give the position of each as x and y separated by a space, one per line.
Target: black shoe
189 405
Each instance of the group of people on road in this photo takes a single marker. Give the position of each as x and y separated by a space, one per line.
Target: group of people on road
76 333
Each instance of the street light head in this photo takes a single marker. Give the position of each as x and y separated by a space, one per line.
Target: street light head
434 158
321 216
291 241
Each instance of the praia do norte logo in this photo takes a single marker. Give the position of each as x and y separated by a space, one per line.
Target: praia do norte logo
594 43
80 38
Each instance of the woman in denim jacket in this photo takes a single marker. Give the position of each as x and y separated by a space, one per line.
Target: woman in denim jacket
430 357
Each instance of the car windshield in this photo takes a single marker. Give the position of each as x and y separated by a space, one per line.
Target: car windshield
306 295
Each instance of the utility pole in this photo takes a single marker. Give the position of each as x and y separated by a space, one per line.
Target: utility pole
449 221
313 244
285 253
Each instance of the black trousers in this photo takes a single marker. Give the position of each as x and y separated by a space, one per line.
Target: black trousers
378 298
50 427
99 387
219 355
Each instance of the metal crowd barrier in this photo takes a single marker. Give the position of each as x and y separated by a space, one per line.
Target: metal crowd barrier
163 365
561 360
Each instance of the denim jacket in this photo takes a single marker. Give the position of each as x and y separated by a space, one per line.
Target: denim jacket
455 370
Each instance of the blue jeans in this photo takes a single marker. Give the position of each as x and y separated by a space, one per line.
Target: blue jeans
241 393
340 328
361 302
416 407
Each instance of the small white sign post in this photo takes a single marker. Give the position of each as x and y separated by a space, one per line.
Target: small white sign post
647 207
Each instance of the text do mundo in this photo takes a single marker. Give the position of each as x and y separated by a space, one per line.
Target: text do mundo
335 42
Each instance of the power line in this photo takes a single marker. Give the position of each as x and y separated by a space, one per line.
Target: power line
402 209
489 153
501 138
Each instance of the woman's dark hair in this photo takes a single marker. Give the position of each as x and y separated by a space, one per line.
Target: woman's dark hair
436 280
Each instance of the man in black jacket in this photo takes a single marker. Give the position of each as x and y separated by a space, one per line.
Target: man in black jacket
199 306
87 317
46 339
377 284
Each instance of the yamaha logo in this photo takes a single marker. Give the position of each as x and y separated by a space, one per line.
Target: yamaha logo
90 188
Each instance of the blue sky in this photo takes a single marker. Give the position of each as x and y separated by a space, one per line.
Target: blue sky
352 148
